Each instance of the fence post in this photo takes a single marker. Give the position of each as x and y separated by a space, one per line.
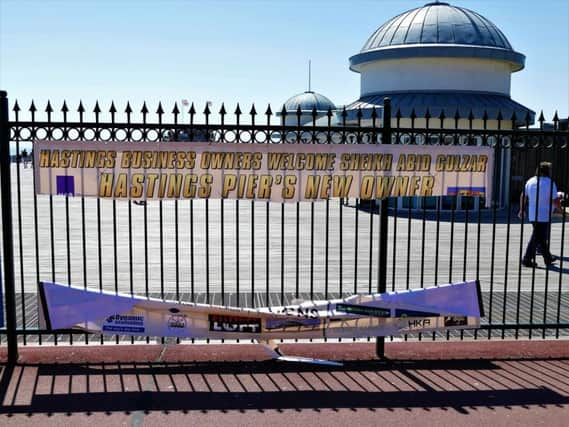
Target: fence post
6 189
382 280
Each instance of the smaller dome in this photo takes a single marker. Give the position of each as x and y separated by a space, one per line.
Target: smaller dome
308 101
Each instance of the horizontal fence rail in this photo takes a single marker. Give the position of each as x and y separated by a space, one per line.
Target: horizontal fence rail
254 253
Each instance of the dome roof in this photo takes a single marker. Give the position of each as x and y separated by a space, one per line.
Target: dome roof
308 101
439 30
438 23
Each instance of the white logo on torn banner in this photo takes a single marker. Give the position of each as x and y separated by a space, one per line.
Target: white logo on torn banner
221 323
177 321
124 323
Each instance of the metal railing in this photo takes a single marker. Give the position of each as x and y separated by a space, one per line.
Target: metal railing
251 253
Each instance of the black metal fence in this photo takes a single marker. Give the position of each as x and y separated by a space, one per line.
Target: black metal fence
251 253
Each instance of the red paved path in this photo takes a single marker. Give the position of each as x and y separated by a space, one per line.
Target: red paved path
466 383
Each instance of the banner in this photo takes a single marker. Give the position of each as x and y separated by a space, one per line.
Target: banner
279 172
455 306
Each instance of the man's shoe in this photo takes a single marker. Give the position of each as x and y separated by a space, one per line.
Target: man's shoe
551 261
529 264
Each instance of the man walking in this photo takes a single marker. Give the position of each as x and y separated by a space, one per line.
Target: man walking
539 193
24 157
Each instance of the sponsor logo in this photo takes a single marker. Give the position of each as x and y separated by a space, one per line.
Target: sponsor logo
219 323
419 323
455 320
177 321
466 191
124 323
291 323
307 313
413 313
363 310
120 319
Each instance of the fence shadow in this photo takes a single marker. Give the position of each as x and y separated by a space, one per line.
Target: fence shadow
454 385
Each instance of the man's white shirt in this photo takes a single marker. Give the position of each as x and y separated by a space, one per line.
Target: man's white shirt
547 193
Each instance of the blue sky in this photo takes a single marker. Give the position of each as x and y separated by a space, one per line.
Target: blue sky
238 51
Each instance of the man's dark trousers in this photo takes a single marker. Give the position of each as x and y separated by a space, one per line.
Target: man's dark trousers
538 240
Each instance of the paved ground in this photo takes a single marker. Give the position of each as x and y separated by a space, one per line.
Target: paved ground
484 383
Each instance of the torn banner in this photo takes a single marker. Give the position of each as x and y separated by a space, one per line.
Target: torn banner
454 306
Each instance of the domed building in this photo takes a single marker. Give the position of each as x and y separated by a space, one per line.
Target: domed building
439 57
307 102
